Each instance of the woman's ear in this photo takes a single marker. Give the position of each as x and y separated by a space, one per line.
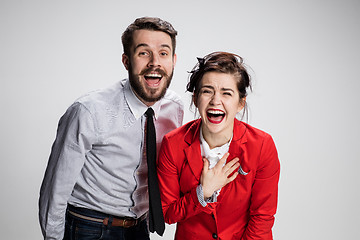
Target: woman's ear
194 99
242 104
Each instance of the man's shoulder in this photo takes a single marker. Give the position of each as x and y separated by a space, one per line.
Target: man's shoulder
109 96
172 109
171 97
188 128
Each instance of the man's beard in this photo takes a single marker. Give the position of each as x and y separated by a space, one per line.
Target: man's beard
139 89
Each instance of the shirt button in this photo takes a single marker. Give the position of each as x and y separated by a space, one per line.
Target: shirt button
215 236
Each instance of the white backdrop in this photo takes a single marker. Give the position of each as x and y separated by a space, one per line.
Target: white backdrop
304 55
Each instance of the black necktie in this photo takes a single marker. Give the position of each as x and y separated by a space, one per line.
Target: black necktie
156 218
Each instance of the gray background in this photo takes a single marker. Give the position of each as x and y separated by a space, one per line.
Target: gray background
304 57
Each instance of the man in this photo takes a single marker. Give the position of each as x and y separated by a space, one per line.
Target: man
97 175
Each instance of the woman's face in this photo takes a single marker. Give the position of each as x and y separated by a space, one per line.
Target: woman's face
218 103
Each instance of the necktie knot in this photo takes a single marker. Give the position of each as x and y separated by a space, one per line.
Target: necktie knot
149 112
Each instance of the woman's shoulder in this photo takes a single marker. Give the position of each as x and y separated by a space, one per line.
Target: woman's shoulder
250 132
256 140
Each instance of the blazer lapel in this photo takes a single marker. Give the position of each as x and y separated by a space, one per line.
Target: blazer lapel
236 149
193 152
237 145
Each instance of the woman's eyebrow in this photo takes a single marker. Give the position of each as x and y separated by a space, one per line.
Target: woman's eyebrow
207 86
227 89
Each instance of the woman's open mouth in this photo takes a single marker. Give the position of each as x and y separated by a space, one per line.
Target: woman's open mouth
215 115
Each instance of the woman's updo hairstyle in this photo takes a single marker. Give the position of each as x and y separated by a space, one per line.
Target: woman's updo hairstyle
222 62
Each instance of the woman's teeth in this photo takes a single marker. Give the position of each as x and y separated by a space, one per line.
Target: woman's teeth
215 116
216 112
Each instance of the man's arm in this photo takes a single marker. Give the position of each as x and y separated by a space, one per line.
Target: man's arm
73 141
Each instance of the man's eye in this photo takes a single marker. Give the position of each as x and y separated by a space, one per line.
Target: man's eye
164 54
143 53
227 93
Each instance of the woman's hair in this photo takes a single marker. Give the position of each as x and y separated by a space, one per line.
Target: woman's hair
147 23
222 62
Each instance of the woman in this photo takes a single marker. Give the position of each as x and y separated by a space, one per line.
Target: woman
218 176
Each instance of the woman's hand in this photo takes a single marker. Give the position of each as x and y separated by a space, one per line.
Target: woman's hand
217 177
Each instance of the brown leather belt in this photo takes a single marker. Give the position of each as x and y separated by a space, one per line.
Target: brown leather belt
116 222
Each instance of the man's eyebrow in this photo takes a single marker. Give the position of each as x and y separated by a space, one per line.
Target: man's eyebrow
146 45
140 45
166 46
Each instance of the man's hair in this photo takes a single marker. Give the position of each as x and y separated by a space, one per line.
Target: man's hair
147 23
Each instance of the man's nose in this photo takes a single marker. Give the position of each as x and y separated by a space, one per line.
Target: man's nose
154 61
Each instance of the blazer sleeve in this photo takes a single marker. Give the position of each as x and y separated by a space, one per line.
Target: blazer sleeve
264 193
176 206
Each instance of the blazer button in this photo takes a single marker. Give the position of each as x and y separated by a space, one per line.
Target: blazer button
215 236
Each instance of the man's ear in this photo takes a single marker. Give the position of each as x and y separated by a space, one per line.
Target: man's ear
174 59
125 61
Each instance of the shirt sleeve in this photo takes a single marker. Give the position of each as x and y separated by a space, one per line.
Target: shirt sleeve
74 139
180 114
200 196
264 193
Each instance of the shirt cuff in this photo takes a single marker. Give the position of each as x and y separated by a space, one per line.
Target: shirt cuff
200 196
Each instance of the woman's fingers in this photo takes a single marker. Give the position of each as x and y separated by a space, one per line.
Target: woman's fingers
206 164
222 161
232 178
217 177
231 166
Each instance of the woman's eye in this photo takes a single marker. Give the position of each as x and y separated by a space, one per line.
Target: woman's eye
206 91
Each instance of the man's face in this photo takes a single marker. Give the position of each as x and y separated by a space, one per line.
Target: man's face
150 65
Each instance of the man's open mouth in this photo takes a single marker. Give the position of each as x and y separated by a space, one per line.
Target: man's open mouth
153 79
215 116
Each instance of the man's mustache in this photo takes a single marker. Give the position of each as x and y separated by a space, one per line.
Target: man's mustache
152 70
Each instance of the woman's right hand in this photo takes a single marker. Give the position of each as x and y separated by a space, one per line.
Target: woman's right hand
217 177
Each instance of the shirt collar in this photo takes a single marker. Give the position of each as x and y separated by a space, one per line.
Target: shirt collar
213 152
137 107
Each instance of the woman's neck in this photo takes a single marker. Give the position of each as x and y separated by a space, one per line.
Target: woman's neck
216 139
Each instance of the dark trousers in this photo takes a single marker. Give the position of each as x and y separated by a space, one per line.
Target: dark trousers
80 229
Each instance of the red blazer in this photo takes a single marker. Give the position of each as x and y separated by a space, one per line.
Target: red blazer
245 207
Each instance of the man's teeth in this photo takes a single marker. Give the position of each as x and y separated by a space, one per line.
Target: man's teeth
215 112
153 75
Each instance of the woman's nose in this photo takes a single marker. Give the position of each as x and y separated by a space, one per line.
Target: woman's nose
216 99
